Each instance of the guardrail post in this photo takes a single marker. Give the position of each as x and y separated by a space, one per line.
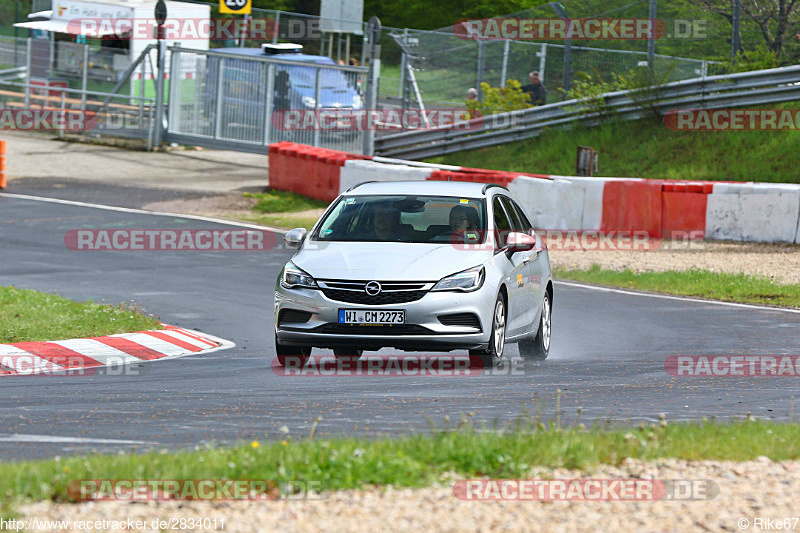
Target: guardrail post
85 76
401 89
64 114
174 98
503 72
268 107
481 58
218 106
2 164
317 104
542 61
371 101
651 40
28 74
159 125
735 33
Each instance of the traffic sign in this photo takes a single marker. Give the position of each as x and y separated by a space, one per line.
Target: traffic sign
236 7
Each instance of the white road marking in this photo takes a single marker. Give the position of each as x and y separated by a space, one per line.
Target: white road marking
103 353
20 361
185 338
22 437
679 298
148 341
139 211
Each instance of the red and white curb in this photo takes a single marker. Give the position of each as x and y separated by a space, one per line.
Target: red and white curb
72 355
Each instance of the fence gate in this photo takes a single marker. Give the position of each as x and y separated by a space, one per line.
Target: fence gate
244 100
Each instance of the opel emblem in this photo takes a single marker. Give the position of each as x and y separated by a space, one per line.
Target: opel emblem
373 288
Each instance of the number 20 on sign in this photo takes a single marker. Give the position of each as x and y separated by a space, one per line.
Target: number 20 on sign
238 7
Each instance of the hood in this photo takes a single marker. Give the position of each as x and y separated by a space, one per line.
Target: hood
385 261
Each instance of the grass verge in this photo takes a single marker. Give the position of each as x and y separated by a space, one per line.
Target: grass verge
701 283
648 149
283 220
28 315
275 201
414 460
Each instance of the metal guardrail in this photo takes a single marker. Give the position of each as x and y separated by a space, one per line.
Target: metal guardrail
709 92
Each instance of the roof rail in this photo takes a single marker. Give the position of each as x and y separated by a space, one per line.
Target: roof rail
489 186
359 185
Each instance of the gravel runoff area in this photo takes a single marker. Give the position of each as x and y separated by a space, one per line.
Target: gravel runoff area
747 490
779 262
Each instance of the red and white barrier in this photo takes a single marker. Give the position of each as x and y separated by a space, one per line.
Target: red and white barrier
762 212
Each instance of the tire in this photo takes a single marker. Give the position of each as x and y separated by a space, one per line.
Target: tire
497 341
538 348
295 356
349 354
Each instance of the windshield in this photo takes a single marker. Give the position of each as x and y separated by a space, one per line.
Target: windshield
419 219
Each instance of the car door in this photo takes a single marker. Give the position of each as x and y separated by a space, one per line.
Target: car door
514 269
525 281
538 270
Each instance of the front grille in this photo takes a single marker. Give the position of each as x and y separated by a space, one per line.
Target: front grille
469 320
293 316
359 297
392 292
356 329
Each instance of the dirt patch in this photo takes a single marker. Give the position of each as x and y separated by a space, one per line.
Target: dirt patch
227 205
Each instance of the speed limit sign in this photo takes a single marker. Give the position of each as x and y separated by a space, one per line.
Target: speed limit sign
238 7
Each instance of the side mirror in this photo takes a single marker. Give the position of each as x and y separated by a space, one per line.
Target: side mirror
294 237
520 242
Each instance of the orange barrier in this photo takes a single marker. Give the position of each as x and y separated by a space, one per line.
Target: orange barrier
2 164
307 170
632 205
683 212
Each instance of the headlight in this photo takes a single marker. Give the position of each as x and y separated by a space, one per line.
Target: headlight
357 101
309 101
466 281
294 277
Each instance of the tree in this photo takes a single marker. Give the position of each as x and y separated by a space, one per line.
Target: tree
778 21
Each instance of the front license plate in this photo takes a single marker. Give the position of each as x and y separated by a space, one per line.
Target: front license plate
381 318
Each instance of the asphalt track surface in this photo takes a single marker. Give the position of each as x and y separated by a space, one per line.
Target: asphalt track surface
607 356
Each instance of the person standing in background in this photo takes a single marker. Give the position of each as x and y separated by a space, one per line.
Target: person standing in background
536 89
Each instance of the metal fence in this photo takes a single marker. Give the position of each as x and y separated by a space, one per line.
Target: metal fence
246 102
76 111
712 92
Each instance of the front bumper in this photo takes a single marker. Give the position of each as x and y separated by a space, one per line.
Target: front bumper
422 330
